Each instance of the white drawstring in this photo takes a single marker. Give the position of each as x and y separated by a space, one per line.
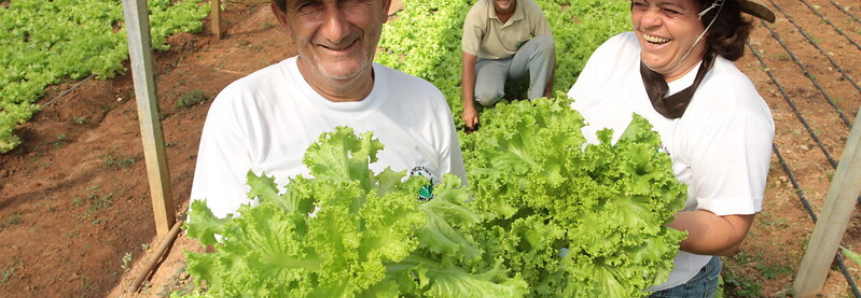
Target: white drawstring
719 5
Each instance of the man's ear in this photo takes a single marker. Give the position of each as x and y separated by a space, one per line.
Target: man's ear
280 15
387 4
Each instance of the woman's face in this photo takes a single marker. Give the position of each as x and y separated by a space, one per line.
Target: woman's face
667 30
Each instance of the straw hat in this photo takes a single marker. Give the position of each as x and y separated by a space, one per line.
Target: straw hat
754 8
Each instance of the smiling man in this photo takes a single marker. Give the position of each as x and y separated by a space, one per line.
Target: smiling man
504 40
264 122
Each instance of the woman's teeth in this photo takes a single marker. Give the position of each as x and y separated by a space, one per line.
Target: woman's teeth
655 39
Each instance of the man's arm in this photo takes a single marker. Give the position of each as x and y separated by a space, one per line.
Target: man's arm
470 115
540 26
710 234
223 159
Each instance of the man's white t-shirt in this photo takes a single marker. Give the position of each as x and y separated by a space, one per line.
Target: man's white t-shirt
721 147
266 121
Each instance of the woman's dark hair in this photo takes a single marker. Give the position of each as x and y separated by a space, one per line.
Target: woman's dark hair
729 33
282 5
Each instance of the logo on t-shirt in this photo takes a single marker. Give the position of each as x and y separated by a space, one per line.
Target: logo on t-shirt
426 192
664 149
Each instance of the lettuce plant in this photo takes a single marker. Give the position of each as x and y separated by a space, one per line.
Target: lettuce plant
548 193
346 232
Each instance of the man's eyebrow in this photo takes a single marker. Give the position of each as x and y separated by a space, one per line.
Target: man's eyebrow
297 3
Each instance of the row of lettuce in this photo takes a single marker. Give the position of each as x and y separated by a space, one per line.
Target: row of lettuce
425 39
544 214
44 42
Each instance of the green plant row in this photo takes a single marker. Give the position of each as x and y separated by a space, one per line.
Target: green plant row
43 42
425 39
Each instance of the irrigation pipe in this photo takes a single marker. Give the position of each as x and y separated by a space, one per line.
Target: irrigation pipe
829 23
159 252
807 73
845 11
837 257
810 40
67 91
794 108
798 190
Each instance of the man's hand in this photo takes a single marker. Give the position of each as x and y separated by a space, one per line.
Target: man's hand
470 118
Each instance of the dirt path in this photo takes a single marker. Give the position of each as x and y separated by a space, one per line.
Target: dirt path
75 212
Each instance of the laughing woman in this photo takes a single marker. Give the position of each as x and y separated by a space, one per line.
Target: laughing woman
676 70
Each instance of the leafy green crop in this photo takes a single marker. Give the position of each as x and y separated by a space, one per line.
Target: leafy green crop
425 38
607 204
346 232
547 216
43 42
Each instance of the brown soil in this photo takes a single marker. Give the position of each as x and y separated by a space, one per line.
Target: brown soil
76 216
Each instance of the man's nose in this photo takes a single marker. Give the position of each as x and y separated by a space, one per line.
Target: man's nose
335 24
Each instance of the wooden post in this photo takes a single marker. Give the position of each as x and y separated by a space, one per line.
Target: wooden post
140 55
839 206
215 17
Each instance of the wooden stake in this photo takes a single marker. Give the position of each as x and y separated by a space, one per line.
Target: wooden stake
215 17
152 136
839 206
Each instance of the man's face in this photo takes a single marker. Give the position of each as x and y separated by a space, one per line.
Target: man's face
504 6
336 39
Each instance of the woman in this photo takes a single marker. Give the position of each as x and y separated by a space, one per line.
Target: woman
675 69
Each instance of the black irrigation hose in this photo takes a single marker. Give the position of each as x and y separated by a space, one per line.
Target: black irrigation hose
829 23
837 257
807 73
845 11
833 163
795 185
810 40
839 260
794 108
799 191
67 91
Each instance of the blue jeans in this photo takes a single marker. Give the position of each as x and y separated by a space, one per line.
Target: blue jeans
704 284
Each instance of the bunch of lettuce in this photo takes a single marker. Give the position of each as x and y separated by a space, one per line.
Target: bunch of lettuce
548 192
346 232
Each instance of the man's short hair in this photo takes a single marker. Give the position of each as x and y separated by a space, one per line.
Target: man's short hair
282 5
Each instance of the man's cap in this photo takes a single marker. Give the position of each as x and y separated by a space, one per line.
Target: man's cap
754 8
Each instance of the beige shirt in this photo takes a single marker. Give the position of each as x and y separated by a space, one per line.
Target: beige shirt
485 36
